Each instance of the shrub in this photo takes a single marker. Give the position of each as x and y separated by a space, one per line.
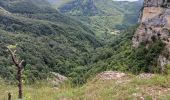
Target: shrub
145 59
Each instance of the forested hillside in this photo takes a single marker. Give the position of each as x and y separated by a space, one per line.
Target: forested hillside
47 40
103 16
84 50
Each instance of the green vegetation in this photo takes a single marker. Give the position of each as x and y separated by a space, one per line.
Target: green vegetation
26 6
103 16
52 42
144 57
131 88
66 47
47 41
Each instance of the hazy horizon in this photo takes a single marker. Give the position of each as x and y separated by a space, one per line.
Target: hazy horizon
126 0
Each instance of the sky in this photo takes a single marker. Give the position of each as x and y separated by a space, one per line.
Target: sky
125 0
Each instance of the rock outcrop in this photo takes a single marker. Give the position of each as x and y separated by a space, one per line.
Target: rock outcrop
155 24
156 3
57 79
111 75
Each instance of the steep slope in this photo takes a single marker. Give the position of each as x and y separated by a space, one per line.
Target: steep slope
49 41
52 42
80 7
28 7
99 7
104 16
155 25
46 40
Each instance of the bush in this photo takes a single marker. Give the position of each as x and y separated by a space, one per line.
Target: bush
145 59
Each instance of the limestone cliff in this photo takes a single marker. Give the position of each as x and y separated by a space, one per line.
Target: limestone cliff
155 24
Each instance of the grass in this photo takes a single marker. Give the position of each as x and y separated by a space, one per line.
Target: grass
30 92
132 88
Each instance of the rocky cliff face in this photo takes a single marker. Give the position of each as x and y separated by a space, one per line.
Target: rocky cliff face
155 24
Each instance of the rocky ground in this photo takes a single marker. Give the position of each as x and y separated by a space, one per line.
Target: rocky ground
123 79
108 85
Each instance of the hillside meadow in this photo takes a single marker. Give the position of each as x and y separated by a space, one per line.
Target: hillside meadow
127 88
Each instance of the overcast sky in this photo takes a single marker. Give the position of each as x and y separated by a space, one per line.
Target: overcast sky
125 0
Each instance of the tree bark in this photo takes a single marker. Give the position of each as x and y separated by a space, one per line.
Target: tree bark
18 64
19 77
9 96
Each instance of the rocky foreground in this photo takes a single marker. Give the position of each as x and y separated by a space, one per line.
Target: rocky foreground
108 85
144 86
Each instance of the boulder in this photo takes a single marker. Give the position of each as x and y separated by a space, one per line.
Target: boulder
57 79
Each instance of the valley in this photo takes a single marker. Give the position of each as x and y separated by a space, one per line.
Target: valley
85 49
103 16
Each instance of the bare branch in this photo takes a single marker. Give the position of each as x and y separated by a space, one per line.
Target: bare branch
21 64
14 52
13 56
18 64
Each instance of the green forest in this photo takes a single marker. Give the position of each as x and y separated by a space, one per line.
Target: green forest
49 41
82 50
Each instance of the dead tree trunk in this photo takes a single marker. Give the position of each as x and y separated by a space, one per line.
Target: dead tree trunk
9 96
18 64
